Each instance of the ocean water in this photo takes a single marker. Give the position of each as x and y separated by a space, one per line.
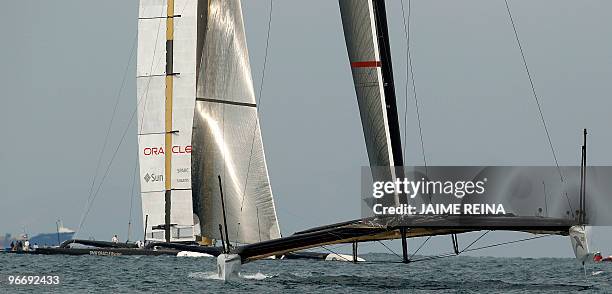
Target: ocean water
462 274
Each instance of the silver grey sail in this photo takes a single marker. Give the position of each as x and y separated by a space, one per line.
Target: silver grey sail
227 139
369 55
365 33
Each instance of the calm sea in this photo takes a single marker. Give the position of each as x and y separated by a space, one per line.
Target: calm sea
197 275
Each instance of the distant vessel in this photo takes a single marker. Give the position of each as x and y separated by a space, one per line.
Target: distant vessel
48 239
44 239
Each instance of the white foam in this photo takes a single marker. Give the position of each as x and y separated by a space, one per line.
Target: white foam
205 276
257 276
597 273
342 257
215 276
192 254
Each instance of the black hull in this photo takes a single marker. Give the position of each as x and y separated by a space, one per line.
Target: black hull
306 255
98 251
103 248
150 252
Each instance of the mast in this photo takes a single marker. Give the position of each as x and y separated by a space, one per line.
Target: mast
168 135
583 171
384 48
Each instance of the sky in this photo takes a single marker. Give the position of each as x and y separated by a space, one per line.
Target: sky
63 64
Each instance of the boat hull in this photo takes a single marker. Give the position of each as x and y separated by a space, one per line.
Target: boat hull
98 251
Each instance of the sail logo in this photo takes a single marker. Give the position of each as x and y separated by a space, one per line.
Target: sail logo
176 149
153 178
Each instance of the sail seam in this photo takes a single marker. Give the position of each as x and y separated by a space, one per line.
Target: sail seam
158 17
159 133
158 191
159 75
226 102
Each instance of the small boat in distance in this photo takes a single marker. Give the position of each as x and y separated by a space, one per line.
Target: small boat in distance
49 239
598 258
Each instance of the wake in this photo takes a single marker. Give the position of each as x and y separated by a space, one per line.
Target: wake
214 276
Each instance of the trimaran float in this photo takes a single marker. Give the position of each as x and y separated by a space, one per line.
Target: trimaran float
203 172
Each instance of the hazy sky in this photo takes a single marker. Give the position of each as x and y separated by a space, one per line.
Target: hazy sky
63 62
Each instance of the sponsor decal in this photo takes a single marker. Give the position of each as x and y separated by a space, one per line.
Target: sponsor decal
104 253
151 177
176 149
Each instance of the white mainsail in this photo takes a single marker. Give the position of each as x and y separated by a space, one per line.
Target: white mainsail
166 99
190 49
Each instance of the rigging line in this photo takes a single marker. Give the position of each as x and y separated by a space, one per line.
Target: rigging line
482 247
509 242
383 244
110 124
422 244
145 95
261 84
107 170
132 197
535 96
449 254
569 204
407 38
381 262
444 255
416 100
473 242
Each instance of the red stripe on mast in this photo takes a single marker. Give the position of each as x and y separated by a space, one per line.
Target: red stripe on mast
372 63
